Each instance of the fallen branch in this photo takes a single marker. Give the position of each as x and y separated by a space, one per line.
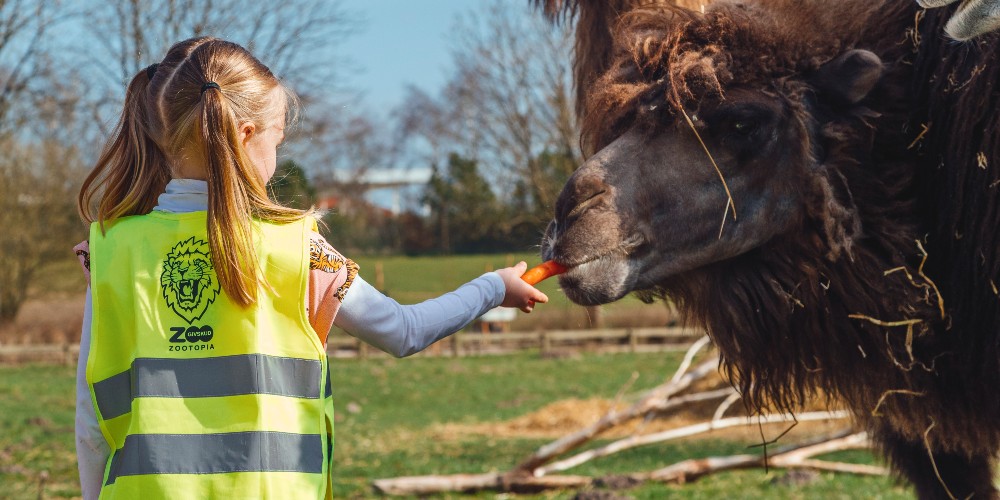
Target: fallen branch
689 358
723 406
531 475
654 400
690 430
495 481
795 456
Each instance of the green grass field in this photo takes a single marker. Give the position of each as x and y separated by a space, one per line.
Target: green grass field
397 408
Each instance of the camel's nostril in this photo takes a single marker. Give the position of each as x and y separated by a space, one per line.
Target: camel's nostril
585 204
579 195
633 242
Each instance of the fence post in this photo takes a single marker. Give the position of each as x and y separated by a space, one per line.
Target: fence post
633 340
545 341
42 479
455 347
379 276
67 354
362 349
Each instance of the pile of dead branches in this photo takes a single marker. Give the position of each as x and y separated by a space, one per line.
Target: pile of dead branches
540 471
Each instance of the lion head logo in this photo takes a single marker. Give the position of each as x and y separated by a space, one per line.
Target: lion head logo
188 280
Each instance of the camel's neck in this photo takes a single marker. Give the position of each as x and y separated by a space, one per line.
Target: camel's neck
793 316
867 326
789 324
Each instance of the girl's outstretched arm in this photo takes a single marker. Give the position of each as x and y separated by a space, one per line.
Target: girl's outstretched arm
402 330
339 295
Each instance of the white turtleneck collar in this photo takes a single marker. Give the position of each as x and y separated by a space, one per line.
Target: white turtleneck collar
183 195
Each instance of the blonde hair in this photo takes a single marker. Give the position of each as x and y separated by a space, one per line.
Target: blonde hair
169 112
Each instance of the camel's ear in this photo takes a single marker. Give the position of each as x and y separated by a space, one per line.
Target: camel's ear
850 77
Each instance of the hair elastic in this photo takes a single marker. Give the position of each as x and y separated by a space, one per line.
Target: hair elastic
210 85
151 70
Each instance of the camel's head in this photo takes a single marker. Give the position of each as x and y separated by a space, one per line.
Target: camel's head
692 99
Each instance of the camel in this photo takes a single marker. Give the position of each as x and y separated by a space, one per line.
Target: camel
821 192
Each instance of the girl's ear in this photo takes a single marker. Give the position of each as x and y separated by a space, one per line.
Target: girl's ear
247 129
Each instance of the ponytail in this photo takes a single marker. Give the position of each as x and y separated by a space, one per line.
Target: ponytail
236 193
230 190
131 170
201 93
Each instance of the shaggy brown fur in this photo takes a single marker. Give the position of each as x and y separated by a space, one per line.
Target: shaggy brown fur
850 304
595 24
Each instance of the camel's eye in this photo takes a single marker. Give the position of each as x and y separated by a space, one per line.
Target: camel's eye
746 122
744 126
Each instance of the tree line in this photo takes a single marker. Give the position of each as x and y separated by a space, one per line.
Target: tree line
500 137
457 212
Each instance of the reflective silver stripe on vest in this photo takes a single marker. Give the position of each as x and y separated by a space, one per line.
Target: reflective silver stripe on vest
208 377
217 454
114 395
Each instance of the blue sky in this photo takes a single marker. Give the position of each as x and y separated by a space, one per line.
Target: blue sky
399 42
402 42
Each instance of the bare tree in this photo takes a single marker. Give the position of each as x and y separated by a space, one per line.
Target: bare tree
287 35
509 104
354 144
37 214
39 164
291 37
25 26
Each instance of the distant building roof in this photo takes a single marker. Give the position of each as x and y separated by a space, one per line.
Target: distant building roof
382 187
385 177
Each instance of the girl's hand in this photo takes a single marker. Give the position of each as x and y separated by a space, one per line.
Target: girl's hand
518 293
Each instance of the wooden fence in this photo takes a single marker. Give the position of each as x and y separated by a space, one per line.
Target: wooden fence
554 343
42 353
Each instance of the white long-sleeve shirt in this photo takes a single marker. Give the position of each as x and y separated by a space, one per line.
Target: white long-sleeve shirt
365 313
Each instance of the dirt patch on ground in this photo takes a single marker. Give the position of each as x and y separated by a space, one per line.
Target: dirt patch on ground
560 418
563 417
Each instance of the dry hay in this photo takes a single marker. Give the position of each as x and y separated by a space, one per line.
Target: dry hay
563 417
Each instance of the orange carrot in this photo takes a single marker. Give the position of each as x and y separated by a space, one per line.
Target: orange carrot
542 271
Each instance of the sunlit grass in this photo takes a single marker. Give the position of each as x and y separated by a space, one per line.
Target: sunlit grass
395 407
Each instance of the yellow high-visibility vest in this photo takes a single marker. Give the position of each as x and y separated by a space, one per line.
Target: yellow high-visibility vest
197 397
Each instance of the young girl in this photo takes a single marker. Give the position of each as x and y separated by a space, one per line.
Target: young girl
203 369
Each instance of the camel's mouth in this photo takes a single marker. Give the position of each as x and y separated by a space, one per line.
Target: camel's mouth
599 281
599 277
